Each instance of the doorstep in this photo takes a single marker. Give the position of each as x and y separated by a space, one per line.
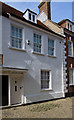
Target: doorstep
10 106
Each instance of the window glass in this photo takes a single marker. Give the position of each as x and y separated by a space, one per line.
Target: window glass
45 78
71 76
50 47
69 47
16 37
68 26
33 18
71 27
37 43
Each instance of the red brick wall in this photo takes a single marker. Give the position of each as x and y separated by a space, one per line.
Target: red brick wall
64 25
70 60
46 8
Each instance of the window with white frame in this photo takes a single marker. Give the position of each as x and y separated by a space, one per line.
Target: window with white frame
50 47
16 37
71 76
70 48
37 43
45 79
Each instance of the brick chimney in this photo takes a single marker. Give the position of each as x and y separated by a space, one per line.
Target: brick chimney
45 6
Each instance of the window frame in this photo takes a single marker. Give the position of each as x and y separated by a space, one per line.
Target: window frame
33 17
71 48
13 47
34 42
50 80
51 47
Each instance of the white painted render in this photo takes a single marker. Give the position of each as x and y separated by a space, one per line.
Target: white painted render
34 63
26 16
42 17
0 34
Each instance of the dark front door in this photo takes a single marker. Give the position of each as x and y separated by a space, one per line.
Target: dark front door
4 90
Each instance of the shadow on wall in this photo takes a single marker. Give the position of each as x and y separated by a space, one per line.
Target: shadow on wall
33 91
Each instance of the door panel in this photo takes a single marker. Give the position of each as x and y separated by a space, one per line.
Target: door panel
4 90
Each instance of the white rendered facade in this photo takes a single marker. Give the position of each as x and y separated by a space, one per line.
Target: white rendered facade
28 82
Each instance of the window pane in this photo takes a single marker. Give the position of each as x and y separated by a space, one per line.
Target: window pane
16 29
37 43
13 33
16 34
20 44
50 51
20 31
16 42
29 16
16 37
20 35
12 42
33 17
69 48
12 28
71 76
44 79
51 43
50 47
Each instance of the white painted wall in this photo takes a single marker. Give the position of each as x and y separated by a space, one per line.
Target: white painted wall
26 16
42 17
20 59
0 34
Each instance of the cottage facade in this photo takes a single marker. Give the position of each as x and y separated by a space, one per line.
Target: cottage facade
31 59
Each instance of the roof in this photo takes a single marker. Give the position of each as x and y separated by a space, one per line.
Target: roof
8 9
53 23
19 15
30 11
64 20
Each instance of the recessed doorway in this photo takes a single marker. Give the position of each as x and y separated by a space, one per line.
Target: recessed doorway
4 90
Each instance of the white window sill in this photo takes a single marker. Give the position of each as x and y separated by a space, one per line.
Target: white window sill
70 56
49 89
71 84
18 49
38 53
51 56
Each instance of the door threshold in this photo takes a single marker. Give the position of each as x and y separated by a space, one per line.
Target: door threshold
10 106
